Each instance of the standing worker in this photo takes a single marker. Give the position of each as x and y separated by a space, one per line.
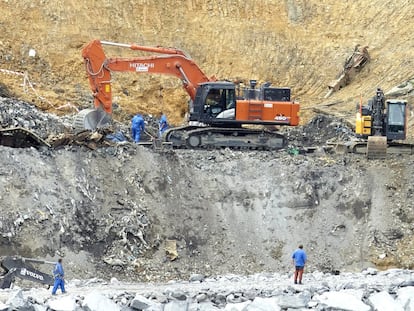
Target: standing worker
59 276
137 126
299 260
163 124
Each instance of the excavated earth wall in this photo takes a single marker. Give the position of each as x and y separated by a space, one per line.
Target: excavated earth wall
117 210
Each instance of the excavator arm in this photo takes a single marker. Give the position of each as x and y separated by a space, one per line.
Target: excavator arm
170 61
21 267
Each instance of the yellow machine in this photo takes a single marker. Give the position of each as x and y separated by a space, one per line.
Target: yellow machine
381 121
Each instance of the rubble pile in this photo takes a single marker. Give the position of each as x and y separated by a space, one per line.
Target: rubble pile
17 113
319 131
58 131
365 291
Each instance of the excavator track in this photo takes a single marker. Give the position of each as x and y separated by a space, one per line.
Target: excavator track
361 147
213 138
19 137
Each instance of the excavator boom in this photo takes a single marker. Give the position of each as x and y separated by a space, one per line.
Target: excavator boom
136 47
173 62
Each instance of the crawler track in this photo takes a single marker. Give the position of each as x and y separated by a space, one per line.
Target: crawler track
362 147
213 138
19 137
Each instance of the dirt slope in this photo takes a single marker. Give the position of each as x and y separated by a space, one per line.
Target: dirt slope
295 43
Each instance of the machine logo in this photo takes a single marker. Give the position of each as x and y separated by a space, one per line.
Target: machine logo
24 271
142 67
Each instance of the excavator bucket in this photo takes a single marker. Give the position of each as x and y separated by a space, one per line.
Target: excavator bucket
377 147
91 119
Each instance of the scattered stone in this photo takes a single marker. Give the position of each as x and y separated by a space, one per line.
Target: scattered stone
197 278
342 300
63 303
140 303
383 301
260 292
97 302
400 90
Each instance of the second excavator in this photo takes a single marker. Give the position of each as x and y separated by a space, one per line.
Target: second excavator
381 122
22 268
218 116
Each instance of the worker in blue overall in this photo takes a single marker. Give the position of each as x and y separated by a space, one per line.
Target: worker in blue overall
59 276
137 126
299 259
163 125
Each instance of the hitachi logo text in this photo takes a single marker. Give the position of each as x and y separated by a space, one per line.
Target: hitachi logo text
142 66
24 271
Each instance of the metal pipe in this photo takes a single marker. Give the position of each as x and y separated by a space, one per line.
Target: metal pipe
37 261
124 45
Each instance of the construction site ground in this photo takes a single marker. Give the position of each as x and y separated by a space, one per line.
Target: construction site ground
131 212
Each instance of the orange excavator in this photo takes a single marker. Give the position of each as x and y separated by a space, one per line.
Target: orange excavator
217 114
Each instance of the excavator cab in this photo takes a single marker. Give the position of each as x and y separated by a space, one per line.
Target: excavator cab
396 125
214 104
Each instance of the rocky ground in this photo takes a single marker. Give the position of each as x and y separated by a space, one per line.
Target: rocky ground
370 290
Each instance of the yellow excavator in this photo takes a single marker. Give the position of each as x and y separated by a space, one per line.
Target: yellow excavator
381 122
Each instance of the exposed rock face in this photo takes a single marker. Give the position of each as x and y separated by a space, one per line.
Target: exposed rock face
114 209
